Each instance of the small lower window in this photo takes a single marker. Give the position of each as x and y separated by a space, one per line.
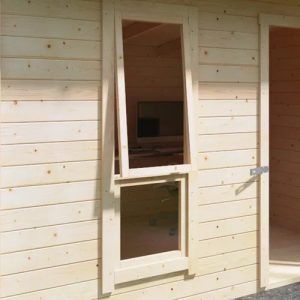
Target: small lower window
149 219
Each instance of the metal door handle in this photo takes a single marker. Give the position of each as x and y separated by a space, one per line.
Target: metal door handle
259 170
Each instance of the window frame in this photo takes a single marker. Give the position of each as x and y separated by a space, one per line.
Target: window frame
160 263
114 271
182 19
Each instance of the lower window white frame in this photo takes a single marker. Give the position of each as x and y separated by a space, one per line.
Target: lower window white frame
160 263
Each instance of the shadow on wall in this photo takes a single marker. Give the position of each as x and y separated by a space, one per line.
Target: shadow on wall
245 185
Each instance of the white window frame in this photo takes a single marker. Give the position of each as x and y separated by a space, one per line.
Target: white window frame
115 270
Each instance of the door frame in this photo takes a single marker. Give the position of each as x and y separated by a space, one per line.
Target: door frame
266 22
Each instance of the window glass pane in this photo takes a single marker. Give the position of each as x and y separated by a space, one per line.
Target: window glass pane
154 93
149 219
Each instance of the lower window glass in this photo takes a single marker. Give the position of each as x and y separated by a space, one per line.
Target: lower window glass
149 219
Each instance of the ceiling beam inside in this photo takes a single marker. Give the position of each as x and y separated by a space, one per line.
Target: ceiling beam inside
138 28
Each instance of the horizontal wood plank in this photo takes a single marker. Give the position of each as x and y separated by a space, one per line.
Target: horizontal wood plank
224 193
25 47
49 173
228 56
226 176
220 108
44 27
222 228
89 289
233 292
227 91
28 90
217 125
78 9
227 22
25 154
43 111
227 210
18 133
228 39
225 159
223 142
30 196
226 261
30 260
49 215
219 73
20 68
62 275
49 236
228 244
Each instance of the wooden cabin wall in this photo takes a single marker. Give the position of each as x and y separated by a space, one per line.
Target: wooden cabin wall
51 58
51 53
284 120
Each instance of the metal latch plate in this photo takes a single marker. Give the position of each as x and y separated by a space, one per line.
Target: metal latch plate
259 170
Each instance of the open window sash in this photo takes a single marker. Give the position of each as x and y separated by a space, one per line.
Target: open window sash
189 135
